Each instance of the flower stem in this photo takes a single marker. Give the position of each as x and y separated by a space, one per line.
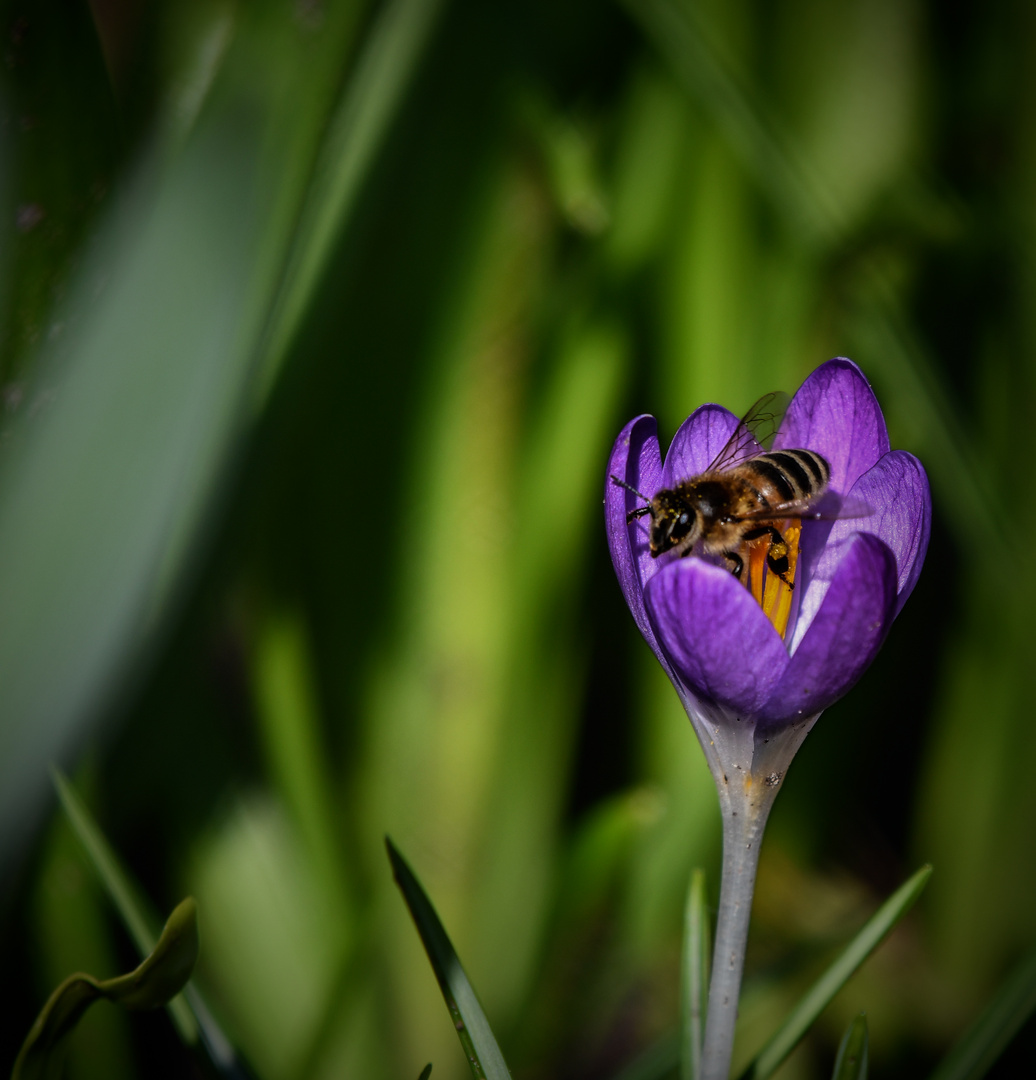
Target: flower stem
744 819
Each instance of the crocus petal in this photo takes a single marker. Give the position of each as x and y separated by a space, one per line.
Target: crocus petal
635 459
896 492
697 443
715 635
836 413
844 636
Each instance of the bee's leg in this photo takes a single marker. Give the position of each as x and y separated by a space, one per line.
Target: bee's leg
737 564
639 512
777 553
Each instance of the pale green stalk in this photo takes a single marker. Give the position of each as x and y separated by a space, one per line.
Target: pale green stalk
744 820
748 766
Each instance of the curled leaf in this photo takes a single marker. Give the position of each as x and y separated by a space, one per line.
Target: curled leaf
161 976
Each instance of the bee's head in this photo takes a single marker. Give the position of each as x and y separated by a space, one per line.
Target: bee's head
674 521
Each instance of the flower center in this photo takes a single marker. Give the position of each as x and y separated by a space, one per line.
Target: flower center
771 593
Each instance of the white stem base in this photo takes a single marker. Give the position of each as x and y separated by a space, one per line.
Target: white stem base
742 837
748 768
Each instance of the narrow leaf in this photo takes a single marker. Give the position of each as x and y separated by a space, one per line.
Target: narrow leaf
837 975
695 977
426 1072
473 1029
189 1013
355 133
165 972
851 1063
37 1060
138 920
155 982
136 916
987 1038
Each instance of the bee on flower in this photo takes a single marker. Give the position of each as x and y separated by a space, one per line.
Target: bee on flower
856 560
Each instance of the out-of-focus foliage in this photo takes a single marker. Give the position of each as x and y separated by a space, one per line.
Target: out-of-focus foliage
318 319
154 982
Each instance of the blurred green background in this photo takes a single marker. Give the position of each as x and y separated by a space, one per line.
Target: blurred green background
318 320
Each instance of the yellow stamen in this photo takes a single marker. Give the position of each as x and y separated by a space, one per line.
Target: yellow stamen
757 568
772 594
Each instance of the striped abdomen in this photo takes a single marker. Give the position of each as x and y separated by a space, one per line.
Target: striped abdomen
785 476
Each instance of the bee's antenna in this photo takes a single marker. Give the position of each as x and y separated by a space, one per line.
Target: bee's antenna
630 487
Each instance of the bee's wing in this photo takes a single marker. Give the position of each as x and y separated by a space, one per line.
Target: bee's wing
756 429
830 506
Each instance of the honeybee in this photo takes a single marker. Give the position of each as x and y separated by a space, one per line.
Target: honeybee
743 499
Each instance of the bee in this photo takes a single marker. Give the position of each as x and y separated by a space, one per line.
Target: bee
743 500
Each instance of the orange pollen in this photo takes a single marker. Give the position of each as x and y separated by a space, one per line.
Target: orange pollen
772 594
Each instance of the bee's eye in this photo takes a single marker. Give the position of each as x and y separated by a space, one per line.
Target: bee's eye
681 525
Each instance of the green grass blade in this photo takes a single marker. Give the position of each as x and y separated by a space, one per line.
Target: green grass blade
473 1029
188 1011
695 976
139 920
987 1038
355 133
837 975
851 1063
288 712
160 977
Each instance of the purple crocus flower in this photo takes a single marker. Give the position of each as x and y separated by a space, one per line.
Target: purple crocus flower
752 692
713 639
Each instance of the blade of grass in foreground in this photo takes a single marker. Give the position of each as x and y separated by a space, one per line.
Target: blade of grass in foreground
695 977
987 1038
473 1029
160 977
837 975
851 1063
140 923
188 1011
